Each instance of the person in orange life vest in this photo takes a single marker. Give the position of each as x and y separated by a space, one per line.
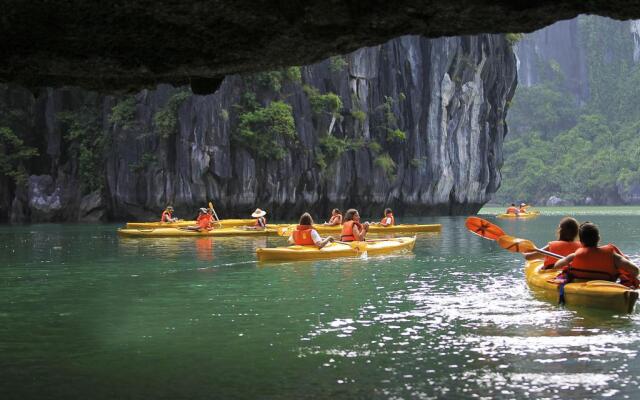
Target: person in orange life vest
167 215
566 244
388 219
523 208
305 235
336 218
512 209
352 229
261 221
203 222
597 262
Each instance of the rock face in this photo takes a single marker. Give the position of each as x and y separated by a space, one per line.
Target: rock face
419 129
559 43
127 46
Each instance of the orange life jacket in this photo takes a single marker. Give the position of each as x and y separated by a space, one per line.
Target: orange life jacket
336 219
383 221
512 210
204 222
261 222
594 263
166 216
562 248
302 235
522 210
347 231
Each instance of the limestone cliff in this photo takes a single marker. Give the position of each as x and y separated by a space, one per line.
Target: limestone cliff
418 126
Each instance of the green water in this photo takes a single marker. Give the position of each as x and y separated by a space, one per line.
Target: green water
85 314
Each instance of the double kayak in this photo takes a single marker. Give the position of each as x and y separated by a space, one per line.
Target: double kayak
597 294
379 229
527 215
336 250
225 223
181 232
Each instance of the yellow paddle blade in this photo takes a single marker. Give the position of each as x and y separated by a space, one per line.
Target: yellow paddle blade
516 245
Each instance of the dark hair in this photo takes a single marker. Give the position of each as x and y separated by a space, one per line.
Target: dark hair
348 216
305 219
513 204
567 229
337 211
589 234
387 211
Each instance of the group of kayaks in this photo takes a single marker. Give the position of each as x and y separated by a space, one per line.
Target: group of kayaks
238 227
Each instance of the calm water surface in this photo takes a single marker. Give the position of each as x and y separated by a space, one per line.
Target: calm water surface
85 314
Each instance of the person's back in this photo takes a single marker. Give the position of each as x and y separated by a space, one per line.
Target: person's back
305 235
512 209
565 244
597 262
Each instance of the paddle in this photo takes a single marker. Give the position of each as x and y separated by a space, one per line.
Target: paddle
483 228
217 221
517 245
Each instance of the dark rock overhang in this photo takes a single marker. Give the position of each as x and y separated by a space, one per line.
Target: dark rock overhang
127 45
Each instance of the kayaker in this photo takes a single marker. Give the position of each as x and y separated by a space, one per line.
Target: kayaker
261 221
597 262
523 208
512 209
305 235
167 215
567 243
352 229
203 222
388 219
336 218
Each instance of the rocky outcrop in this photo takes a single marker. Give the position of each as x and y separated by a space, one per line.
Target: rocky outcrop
419 129
127 46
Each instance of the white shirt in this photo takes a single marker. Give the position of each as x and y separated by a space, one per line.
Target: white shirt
387 221
315 236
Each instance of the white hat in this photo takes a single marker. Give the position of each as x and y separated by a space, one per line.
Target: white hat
258 213
522 204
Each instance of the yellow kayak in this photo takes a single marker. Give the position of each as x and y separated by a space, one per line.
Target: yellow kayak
335 250
378 229
520 216
178 232
225 223
597 294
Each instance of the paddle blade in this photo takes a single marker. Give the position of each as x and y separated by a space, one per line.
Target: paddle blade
516 245
484 228
284 231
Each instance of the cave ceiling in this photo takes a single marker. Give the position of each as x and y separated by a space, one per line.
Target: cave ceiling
124 46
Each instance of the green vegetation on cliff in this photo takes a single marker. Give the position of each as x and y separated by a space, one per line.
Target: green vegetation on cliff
576 149
13 154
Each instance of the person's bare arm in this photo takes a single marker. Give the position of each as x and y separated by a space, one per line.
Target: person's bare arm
324 242
359 235
625 265
564 261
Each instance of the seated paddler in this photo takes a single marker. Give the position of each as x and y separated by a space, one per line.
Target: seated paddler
592 262
305 235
